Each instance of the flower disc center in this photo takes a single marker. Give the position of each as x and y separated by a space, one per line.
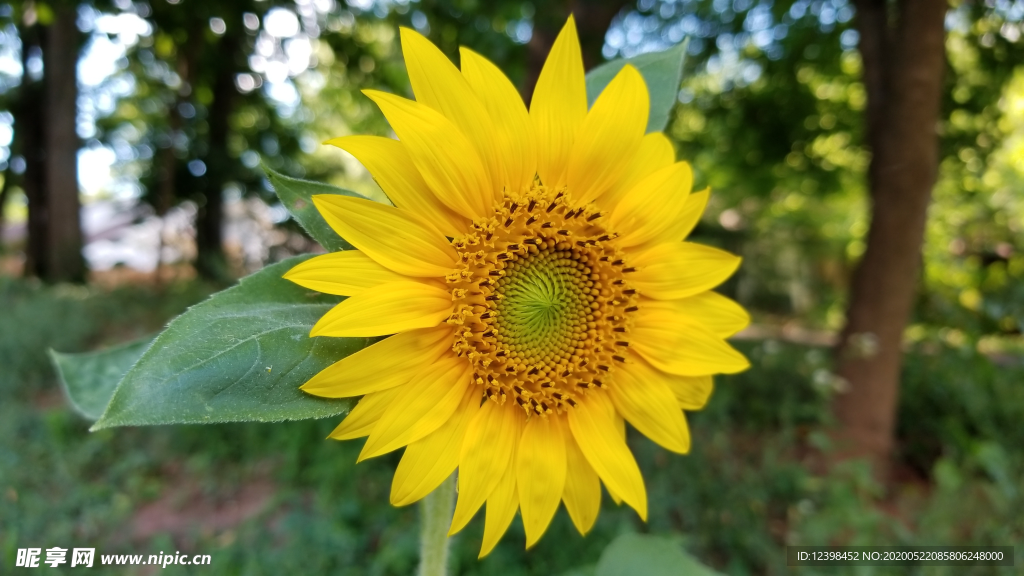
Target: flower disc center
542 315
541 301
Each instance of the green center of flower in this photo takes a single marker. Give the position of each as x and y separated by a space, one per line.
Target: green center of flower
543 308
546 299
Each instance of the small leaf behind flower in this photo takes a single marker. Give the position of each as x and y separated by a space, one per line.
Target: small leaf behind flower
297 197
663 73
89 378
239 356
650 555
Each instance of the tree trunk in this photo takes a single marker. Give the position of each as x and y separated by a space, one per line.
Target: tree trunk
167 163
903 52
211 261
5 193
63 231
592 21
28 141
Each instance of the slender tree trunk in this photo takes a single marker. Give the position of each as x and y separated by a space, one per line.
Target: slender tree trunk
5 193
593 17
209 222
168 166
902 45
64 232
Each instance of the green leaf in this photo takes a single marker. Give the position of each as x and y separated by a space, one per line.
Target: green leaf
239 356
631 554
663 73
297 197
89 379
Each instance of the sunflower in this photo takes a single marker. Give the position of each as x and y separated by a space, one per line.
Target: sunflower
534 287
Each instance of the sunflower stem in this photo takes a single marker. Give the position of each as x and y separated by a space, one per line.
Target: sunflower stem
435 520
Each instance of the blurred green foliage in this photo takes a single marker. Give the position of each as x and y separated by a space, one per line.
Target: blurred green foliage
770 116
749 487
75 319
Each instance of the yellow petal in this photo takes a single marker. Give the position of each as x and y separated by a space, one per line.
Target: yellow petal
651 211
393 237
444 156
655 152
582 494
486 453
602 443
677 270
559 105
387 309
341 273
513 136
501 509
648 403
361 420
437 83
429 460
695 204
609 136
684 350
386 364
430 399
540 473
691 392
716 313
393 169
620 425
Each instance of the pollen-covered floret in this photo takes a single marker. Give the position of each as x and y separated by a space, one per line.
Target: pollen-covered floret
543 305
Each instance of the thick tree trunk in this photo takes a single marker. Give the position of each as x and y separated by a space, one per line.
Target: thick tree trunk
64 232
44 125
28 133
904 59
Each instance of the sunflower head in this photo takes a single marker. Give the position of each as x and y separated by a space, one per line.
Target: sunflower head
533 283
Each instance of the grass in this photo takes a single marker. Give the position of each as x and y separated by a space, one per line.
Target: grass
279 499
